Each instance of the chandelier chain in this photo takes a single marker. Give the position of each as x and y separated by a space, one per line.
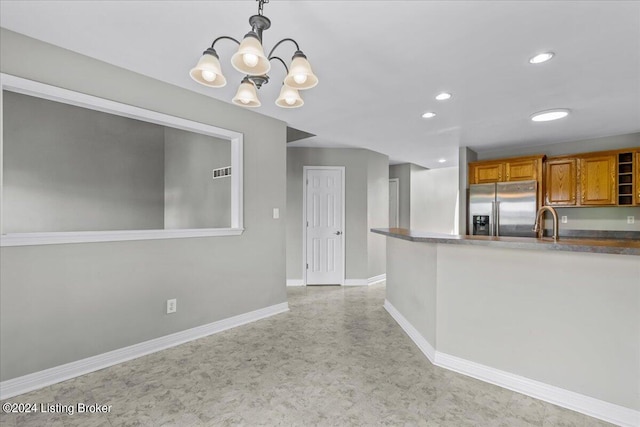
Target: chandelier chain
261 4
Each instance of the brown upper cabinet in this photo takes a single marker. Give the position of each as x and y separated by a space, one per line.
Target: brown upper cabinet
637 190
504 170
598 179
561 182
486 173
606 178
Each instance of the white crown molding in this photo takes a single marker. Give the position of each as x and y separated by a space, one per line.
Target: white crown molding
587 405
36 380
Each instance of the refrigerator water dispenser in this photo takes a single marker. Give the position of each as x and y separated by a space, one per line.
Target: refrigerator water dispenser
481 225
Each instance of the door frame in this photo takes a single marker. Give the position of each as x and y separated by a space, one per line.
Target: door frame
305 176
397 183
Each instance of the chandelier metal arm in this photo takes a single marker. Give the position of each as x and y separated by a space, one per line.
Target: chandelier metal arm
282 41
224 37
281 61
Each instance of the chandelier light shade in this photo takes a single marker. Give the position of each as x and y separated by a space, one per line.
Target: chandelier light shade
300 75
251 61
246 95
208 71
289 98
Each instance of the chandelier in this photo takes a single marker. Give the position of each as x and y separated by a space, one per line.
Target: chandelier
251 61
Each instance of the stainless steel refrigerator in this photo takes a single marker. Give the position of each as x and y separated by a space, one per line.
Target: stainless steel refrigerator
503 209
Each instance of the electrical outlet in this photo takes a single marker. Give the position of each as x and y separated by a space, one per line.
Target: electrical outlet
564 219
631 219
171 306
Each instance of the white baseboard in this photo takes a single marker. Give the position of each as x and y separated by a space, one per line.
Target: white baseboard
376 279
558 396
424 345
366 282
590 406
36 380
355 282
295 282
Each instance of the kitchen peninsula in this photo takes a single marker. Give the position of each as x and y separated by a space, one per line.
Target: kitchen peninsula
559 321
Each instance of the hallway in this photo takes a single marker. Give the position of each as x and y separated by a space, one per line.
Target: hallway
337 358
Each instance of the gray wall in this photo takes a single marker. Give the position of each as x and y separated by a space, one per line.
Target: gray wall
377 211
576 326
67 168
614 142
434 200
357 222
613 218
60 303
412 284
403 173
465 155
580 218
428 197
193 199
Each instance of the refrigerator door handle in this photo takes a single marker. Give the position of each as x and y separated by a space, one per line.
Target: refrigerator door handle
497 209
493 218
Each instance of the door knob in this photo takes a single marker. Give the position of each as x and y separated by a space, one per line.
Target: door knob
338 233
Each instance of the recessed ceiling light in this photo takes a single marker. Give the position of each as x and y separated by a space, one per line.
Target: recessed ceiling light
548 115
428 115
443 96
541 57
442 160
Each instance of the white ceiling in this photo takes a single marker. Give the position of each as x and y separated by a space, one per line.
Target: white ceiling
381 63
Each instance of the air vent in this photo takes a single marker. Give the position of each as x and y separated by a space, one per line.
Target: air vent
222 172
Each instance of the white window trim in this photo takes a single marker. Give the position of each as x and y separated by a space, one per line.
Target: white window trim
53 93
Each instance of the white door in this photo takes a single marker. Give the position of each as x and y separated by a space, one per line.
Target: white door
394 205
324 226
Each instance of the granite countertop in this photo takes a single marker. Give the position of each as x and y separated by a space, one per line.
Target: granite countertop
606 246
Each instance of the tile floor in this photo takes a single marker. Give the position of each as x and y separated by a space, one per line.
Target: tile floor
336 359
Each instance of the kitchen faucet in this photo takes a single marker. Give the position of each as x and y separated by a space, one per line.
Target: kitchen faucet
538 227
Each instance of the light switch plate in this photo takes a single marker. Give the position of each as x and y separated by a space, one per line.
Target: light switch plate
276 213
